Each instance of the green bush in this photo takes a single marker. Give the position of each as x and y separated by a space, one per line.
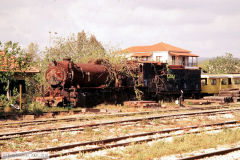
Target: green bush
36 108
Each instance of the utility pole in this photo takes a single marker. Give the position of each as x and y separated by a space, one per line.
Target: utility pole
20 96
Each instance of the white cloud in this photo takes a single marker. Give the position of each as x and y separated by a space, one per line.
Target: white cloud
208 28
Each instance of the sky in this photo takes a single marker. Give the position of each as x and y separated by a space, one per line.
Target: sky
208 28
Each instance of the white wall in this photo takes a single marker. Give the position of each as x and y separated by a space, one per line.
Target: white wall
165 57
163 54
169 59
127 55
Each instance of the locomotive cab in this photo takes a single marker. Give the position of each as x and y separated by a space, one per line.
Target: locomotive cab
163 81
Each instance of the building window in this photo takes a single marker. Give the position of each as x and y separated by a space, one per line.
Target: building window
173 60
158 58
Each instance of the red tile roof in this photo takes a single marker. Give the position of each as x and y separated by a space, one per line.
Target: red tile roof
156 47
142 55
183 54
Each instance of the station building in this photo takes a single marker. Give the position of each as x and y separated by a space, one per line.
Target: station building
162 52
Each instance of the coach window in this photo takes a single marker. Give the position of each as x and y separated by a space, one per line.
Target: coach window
224 82
213 82
237 81
204 81
229 81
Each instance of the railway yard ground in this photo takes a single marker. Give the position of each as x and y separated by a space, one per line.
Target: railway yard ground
121 132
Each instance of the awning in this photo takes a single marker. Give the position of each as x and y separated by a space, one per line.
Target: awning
142 55
183 54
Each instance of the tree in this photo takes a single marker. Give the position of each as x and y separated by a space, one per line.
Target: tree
32 51
78 47
223 64
81 41
95 43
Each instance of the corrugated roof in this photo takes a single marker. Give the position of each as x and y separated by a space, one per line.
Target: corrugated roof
142 55
156 47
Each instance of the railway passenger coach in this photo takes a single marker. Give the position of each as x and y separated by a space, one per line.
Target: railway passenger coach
212 83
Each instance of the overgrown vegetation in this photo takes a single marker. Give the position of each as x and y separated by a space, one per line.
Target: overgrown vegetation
14 63
222 64
80 47
179 145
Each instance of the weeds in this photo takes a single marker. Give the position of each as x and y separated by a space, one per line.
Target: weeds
144 122
88 130
187 143
157 121
113 153
126 131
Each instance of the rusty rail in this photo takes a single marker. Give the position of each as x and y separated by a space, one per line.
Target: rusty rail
210 154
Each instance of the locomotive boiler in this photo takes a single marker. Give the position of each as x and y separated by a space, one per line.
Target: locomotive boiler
66 74
65 79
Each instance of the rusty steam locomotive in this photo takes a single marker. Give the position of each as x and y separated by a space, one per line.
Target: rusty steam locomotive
90 84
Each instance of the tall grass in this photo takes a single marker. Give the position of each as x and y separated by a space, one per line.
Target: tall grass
178 145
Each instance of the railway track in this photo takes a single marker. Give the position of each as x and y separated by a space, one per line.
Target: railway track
211 154
127 140
39 122
7 136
